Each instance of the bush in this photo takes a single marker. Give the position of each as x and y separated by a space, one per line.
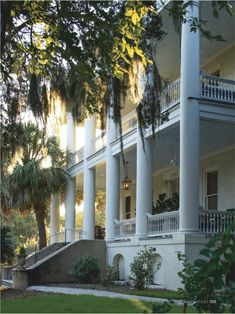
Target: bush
110 275
85 270
206 276
7 247
142 269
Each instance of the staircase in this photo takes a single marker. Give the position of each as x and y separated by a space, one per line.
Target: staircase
6 271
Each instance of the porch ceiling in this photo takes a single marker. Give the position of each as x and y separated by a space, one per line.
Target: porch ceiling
167 52
214 137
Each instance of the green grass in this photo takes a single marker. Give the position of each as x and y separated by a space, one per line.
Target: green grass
158 293
164 294
59 303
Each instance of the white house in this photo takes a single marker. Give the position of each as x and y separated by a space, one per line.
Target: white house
193 154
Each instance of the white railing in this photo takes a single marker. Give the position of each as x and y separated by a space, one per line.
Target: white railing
78 155
124 228
164 223
170 96
214 221
129 122
217 88
77 234
100 142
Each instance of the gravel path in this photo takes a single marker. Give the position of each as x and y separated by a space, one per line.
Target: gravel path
98 293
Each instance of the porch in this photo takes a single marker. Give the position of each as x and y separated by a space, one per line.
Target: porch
213 88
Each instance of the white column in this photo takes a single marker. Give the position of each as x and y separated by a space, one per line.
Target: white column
89 181
143 184
189 124
112 180
70 185
54 217
70 210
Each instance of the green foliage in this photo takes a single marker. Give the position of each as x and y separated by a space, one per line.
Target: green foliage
85 270
162 308
7 247
110 275
36 172
205 277
22 251
163 205
23 228
142 268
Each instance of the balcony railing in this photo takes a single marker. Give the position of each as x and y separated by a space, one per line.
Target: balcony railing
78 155
124 228
213 221
210 222
129 122
100 141
217 88
170 96
164 223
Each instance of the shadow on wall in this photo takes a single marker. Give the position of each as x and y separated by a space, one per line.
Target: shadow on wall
119 263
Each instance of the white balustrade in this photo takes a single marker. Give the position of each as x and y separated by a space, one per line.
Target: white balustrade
164 223
79 155
129 122
100 141
124 228
217 88
214 221
170 96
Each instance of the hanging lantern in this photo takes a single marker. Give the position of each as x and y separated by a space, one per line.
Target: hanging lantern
126 183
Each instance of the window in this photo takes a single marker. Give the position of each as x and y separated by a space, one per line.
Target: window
128 208
212 190
173 186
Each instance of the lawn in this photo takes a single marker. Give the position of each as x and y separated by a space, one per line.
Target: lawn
59 303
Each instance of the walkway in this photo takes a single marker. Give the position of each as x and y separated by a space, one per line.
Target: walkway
98 293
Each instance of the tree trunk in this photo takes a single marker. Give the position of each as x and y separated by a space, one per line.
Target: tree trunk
40 218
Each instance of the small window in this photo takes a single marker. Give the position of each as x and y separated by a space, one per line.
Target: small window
128 208
212 190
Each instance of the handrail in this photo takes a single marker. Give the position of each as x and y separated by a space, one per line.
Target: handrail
165 214
217 78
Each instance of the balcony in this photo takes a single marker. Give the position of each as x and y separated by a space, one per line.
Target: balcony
213 88
210 222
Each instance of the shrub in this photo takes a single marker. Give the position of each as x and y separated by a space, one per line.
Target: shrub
162 308
110 275
7 247
85 270
142 268
206 276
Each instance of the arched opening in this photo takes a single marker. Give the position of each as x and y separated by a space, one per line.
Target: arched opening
158 270
119 263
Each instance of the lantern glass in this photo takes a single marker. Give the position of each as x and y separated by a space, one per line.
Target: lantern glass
126 184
